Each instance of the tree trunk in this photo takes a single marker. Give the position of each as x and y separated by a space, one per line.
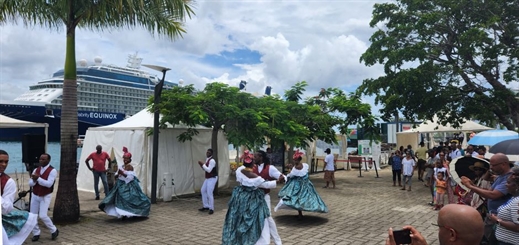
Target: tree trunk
66 206
214 146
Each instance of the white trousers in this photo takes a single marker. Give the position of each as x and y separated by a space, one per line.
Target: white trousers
40 207
272 225
207 192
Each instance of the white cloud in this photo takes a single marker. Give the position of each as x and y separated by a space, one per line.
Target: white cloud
319 42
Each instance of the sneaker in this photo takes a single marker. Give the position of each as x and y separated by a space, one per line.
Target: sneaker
55 234
35 238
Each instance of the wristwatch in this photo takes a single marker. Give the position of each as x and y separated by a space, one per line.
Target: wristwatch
499 222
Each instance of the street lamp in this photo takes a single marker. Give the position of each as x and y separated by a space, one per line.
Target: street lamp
156 115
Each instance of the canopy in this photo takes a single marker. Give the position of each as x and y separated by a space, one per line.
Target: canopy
177 158
434 126
9 122
410 137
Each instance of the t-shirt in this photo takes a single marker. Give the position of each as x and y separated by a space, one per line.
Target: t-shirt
421 153
408 166
508 212
397 163
99 160
441 186
329 163
500 185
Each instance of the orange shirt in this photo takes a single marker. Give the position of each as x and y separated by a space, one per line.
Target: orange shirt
441 186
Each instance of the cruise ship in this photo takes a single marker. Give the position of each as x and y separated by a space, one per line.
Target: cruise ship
106 94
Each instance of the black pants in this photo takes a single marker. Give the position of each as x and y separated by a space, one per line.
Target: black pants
397 173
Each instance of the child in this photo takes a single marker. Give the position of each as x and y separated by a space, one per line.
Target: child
441 188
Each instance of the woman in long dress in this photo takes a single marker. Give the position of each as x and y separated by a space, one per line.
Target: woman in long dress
246 218
299 192
126 199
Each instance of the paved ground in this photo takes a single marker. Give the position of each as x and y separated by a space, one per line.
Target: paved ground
361 210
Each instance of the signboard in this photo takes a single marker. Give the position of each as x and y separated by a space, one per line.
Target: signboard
370 149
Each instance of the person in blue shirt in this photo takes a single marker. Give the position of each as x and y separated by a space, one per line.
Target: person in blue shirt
498 193
396 165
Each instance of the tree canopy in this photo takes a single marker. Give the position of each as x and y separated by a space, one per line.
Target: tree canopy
449 58
249 120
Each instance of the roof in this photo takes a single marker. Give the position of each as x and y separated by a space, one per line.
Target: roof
141 120
8 122
434 126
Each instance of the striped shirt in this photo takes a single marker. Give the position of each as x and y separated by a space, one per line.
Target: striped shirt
508 212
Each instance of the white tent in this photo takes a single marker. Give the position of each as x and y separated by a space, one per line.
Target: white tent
8 122
410 137
177 158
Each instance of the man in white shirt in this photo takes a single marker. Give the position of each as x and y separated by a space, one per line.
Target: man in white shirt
268 172
211 176
455 152
18 226
471 152
329 168
42 183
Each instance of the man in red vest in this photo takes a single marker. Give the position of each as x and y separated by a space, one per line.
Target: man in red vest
211 176
42 183
268 172
16 225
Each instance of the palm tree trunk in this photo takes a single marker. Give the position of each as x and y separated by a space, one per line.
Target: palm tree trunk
66 206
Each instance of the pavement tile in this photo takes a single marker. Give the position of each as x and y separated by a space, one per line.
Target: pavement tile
361 211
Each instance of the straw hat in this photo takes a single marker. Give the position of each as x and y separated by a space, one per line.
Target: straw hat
478 165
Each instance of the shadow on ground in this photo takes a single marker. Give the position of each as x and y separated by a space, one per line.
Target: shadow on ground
295 221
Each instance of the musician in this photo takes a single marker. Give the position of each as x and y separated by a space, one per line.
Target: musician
42 183
211 177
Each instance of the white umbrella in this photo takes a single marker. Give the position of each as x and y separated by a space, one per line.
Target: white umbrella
492 137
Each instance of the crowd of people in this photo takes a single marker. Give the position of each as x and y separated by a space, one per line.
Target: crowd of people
492 192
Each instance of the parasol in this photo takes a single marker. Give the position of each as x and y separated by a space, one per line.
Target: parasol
460 167
492 137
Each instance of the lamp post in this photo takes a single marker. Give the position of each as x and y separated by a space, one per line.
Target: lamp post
156 115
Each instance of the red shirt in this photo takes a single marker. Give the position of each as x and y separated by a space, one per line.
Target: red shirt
99 160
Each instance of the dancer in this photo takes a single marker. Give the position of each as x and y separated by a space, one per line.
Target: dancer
246 221
299 192
211 177
126 199
16 224
268 172
42 183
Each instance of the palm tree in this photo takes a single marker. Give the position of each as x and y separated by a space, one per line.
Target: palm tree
161 17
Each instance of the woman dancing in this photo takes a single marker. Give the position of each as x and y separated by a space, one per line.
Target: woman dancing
246 219
126 199
299 192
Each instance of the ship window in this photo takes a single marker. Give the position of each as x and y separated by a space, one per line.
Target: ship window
46 95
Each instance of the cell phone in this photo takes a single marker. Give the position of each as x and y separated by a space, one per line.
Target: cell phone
402 236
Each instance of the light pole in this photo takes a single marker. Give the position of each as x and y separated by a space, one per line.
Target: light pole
156 115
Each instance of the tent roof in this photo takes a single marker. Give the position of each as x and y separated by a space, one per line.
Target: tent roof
141 120
434 126
8 122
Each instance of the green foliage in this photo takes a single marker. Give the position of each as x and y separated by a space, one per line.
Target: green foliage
250 121
450 58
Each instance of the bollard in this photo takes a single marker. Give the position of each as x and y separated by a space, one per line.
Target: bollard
376 171
360 167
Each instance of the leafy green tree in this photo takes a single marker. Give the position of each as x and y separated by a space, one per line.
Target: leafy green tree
450 58
164 18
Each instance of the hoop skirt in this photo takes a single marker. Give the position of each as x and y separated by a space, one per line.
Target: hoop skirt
126 199
245 221
17 225
299 193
